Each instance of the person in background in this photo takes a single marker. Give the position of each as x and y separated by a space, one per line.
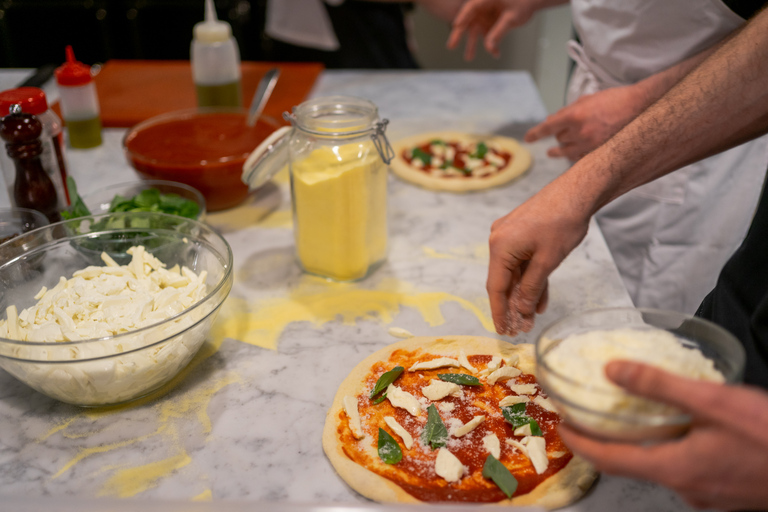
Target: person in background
669 237
722 461
347 34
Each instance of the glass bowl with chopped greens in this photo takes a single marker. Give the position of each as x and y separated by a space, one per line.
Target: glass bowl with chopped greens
93 333
146 196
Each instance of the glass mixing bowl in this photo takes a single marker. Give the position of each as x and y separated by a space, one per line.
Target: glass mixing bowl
124 366
100 200
610 412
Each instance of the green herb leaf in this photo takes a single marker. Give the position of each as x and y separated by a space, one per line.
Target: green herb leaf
515 415
536 429
77 206
389 450
459 378
422 155
438 142
434 434
380 399
385 380
481 151
496 471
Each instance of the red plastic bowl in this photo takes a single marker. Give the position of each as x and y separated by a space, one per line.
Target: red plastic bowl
203 148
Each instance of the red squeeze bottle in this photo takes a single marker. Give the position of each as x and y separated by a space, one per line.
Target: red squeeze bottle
32 188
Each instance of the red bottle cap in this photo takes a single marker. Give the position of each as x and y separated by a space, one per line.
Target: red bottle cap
73 72
31 99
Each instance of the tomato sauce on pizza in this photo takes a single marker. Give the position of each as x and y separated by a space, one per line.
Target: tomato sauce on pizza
415 473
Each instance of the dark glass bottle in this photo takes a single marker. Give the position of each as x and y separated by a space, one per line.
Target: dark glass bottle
32 187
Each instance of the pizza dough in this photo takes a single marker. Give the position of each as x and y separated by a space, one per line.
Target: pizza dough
502 160
557 490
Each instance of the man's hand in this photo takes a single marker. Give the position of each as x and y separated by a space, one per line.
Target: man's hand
721 463
490 19
589 121
526 245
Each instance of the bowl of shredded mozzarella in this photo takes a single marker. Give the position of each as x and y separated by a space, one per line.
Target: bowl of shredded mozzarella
571 355
105 309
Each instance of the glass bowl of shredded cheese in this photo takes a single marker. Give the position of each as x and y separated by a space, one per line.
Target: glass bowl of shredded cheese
571 355
105 309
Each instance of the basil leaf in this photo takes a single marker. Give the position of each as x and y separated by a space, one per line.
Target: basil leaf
434 434
385 380
515 415
380 399
459 378
422 155
77 208
389 450
438 142
536 429
481 151
496 471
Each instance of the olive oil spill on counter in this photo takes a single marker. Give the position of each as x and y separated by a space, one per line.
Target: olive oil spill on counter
126 481
319 301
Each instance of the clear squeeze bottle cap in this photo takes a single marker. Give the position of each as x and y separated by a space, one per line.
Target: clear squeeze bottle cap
212 30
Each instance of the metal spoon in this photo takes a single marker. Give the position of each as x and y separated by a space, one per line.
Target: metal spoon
262 94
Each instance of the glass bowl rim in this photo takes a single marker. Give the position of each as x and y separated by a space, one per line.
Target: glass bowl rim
226 277
199 197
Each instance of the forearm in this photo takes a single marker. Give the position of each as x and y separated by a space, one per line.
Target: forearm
720 104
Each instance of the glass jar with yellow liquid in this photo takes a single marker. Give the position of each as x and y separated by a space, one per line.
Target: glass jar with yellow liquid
337 155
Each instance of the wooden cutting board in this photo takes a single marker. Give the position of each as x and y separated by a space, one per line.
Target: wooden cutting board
131 91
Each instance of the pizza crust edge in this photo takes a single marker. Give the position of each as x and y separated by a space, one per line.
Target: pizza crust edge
521 161
561 489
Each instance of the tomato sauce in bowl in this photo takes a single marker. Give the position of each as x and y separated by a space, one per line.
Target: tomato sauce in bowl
203 148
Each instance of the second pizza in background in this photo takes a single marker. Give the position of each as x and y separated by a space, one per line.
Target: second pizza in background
459 162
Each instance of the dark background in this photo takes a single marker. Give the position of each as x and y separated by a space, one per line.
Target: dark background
34 33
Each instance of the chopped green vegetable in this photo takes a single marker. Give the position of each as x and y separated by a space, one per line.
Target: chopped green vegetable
389 450
422 155
501 476
481 151
78 208
438 142
515 416
380 399
459 378
435 434
385 380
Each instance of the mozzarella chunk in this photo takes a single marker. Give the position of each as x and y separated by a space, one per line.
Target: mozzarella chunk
403 399
506 372
350 407
492 445
494 159
545 403
438 389
446 406
535 449
512 400
448 466
399 430
468 426
464 362
522 389
440 362
398 332
525 430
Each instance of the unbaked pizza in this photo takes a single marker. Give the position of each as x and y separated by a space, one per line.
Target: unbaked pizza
459 162
453 419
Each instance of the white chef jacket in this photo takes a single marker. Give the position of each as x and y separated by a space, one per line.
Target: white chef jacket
670 237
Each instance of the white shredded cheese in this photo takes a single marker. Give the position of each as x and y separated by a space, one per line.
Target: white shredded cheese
512 400
398 332
403 399
448 466
399 430
492 445
468 426
507 372
440 362
438 389
355 425
522 389
463 361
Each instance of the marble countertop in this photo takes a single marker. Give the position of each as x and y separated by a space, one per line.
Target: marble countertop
244 425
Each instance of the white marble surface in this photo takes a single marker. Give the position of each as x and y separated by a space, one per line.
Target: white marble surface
244 426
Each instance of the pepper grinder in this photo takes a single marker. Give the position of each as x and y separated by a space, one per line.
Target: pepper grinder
32 187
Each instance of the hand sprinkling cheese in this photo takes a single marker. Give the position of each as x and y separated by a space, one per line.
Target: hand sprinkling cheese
438 389
399 430
403 399
468 426
448 466
507 372
440 362
350 407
